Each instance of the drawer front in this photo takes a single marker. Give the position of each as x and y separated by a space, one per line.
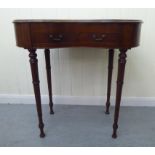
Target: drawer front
55 34
102 38
53 38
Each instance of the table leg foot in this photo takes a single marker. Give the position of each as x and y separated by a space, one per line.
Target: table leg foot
107 108
114 135
51 110
115 127
42 135
107 112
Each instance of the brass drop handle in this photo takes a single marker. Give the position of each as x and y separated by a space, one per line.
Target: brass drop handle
58 37
101 38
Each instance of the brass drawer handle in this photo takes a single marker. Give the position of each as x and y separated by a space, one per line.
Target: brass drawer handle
101 38
58 37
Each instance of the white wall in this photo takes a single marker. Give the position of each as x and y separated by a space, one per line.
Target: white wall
77 71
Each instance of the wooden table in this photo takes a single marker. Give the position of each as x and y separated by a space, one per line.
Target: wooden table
46 34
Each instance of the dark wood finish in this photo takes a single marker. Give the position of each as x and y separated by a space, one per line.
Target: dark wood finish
45 34
120 78
23 40
49 81
110 67
36 86
77 33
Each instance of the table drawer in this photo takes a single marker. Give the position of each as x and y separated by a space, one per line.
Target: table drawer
52 38
73 34
107 38
75 38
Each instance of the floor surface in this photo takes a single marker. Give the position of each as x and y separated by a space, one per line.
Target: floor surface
73 125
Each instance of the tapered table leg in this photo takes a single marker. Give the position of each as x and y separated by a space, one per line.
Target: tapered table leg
36 86
120 78
110 67
49 82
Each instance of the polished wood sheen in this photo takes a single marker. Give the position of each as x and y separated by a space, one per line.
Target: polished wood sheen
49 82
110 67
46 34
36 86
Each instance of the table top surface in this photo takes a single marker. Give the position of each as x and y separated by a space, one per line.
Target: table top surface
77 21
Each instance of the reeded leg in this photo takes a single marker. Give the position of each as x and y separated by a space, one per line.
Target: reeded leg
49 82
35 81
120 77
110 67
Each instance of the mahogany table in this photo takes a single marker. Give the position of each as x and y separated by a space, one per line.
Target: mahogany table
46 34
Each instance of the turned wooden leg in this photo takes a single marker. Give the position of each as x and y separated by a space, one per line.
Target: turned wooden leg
49 82
35 81
120 77
110 67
